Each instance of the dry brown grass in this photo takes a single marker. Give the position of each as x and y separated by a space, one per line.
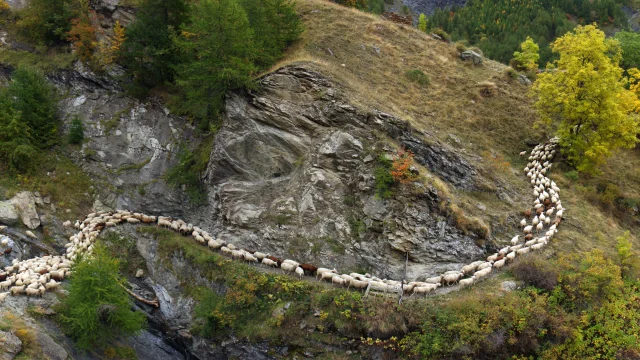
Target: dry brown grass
487 110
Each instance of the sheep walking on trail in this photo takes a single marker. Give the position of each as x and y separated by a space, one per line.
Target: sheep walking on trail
36 276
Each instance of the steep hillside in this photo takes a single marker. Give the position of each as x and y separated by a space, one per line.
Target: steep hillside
297 169
492 130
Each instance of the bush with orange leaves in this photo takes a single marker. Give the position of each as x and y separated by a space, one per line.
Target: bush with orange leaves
83 34
401 167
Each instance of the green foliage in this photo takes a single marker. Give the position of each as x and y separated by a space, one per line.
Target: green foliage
375 6
189 169
28 119
384 179
225 44
630 43
418 77
275 26
584 95
440 32
148 52
76 131
528 58
572 175
35 99
219 48
422 23
47 21
590 313
499 27
97 308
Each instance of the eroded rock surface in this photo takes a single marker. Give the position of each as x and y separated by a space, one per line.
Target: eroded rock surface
291 172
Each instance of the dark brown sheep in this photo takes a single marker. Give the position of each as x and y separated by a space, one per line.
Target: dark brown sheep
308 269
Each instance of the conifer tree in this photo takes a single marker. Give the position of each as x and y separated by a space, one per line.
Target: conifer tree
47 21
147 51
220 51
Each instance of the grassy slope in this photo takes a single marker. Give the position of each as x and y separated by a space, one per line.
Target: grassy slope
489 127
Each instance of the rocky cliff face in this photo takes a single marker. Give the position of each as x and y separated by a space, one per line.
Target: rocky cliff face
130 145
291 172
427 7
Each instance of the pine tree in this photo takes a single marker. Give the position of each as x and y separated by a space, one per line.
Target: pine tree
98 308
147 51
275 25
219 45
35 100
47 21
584 95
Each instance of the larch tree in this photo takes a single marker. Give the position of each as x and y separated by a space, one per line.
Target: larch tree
147 52
583 95
220 52
422 23
527 59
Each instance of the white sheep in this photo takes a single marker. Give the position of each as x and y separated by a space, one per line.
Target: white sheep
482 273
269 262
500 263
299 272
515 239
466 282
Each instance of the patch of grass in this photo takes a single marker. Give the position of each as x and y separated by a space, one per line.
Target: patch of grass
335 245
384 179
190 167
46 61
358 226
418 77
135 167
124 249
31 348
56 176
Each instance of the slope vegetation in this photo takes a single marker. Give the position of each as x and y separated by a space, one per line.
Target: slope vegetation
479 109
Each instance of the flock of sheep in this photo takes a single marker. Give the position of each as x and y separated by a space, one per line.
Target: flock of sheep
35 276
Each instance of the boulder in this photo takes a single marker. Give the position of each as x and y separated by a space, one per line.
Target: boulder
25 204
473 56
8 213
10 346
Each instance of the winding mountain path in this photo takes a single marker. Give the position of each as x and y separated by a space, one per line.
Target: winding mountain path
35 276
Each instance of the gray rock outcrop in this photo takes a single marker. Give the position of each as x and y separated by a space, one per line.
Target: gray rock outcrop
21 207
25 204
288 175
470 55
10 345
8 213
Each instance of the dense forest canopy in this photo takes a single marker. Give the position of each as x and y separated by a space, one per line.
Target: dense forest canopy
498 27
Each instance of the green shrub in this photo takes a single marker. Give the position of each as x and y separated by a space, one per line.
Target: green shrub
443 34
384 179
417 77
572 175
98 309
35 99
189 169
28 119
76 131
47 21
511 72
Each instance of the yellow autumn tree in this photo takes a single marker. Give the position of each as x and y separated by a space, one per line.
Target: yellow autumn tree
527 59
582 95
110 47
